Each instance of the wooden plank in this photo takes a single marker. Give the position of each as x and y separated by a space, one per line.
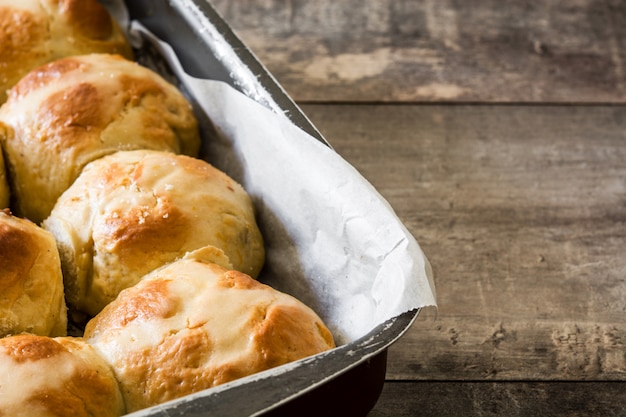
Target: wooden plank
439 51
501 399
522 212
475 348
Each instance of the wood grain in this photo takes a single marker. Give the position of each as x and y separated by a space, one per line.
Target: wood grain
496 129
439 51
522 212
519 399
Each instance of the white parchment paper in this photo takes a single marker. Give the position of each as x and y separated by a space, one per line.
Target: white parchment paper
331 240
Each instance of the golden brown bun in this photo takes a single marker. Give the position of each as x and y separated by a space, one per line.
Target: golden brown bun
192 325
34 32
134 211
31 284
5 191
55 377
67 113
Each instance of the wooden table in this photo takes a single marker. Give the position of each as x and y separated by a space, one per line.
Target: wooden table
497 131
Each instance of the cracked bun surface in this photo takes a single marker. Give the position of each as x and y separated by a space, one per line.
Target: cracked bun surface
63 115
55 377
134 211
31 284
34 32
193 325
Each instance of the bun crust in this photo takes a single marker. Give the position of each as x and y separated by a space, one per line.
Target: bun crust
31 284
192 325
134 211
74 110
54 377
156 250
34 32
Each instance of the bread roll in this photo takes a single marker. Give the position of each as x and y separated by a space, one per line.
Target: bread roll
69 112
34 32
31 284
134 211
55 377
193 325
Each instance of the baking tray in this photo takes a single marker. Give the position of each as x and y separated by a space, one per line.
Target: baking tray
346 381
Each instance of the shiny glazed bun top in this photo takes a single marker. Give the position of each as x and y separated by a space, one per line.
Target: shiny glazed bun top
193 325
55 377
34 32
69 112
134 211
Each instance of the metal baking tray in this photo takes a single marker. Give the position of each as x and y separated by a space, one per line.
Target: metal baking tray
346 381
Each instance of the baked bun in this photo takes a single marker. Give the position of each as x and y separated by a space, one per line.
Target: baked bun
134 211
69 112
193 325
55 377
34 32
31 284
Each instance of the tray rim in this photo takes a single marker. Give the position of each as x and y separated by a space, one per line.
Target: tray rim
268 390
219 400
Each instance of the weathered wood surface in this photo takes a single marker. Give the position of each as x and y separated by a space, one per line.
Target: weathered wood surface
439 50
485 399
497 131
522 213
